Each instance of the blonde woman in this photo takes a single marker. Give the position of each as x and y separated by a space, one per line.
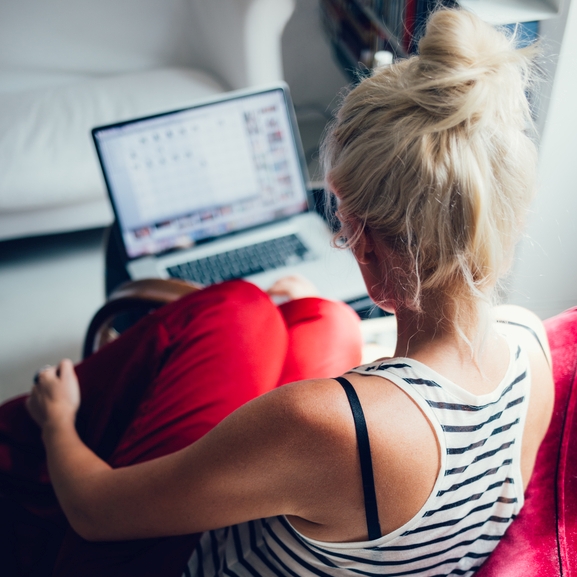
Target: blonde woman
433 173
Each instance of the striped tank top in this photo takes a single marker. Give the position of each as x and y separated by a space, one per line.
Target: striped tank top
476 496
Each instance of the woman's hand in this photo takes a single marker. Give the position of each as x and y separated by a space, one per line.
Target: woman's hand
293 287
55 395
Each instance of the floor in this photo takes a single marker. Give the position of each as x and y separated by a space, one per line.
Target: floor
49 289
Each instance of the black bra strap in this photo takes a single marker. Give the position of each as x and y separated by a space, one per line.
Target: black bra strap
371 509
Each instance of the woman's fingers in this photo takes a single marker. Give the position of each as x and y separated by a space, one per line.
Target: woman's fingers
45 374
69 383
293 287
66 370
37 375
55 394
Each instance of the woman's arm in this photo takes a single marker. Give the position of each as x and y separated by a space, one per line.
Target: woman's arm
275 455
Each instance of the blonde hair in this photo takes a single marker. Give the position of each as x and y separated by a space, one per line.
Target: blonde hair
432 155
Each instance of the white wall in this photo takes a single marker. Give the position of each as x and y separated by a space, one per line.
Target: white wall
545 275
308 65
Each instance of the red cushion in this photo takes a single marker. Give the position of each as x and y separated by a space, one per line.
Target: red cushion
542 541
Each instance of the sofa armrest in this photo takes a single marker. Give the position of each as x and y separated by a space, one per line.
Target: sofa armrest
240 40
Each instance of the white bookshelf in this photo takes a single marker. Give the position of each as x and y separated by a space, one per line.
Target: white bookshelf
511 11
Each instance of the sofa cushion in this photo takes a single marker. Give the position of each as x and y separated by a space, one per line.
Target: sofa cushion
45 142
12 80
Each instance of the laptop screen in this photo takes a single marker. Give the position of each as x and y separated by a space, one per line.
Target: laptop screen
203 172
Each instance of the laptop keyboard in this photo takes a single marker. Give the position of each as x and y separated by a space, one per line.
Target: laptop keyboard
241 262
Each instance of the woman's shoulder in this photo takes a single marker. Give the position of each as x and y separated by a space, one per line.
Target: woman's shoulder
306 398
314 409
321 408
524 325
323 436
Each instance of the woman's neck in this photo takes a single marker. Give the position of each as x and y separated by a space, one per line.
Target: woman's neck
418 332
477 354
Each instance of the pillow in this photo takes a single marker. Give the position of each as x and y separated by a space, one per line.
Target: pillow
45 142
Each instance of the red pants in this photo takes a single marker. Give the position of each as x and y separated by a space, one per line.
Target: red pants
158 388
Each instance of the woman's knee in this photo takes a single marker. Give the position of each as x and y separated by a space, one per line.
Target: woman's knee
327 314
245 306
324 339
232 320
240 293
224 296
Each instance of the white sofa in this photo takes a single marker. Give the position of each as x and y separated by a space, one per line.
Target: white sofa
69 65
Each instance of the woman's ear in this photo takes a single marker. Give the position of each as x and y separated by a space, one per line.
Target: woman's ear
364 246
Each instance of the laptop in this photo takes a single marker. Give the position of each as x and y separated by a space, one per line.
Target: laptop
219 191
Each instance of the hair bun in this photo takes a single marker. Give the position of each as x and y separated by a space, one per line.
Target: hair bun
458 39
470 65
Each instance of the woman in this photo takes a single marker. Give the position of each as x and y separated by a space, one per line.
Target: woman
432 173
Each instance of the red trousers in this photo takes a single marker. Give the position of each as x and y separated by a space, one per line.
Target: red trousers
162 385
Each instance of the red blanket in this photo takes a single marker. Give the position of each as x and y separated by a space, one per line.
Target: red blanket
542 541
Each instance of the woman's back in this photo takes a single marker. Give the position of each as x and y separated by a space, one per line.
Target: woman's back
450 467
